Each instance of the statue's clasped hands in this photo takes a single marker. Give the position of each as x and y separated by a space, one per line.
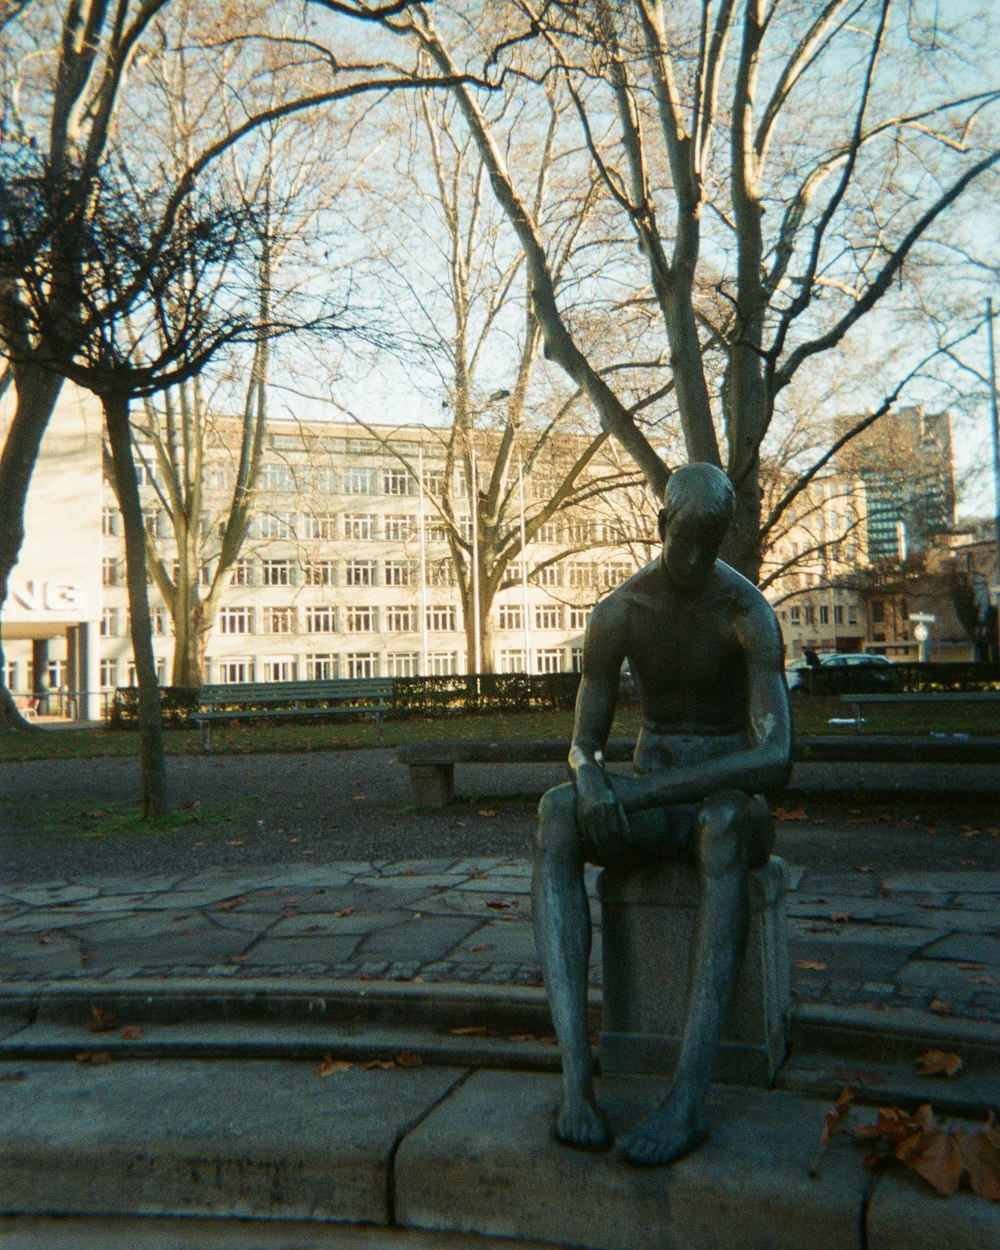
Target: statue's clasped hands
600 814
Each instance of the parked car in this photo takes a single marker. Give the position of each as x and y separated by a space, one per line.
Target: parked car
844 672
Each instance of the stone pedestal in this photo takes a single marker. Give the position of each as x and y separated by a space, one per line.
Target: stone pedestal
649 918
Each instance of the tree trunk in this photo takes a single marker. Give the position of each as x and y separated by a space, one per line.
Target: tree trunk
116 415
37 392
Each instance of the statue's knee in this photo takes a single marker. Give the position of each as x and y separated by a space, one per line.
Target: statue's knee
557 819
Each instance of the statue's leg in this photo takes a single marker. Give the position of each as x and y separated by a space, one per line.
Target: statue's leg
732 830
561 914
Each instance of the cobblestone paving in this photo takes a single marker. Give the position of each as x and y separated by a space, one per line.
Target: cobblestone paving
924 939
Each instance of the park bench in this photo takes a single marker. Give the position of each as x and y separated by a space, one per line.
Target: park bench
281 700
432 764
858 701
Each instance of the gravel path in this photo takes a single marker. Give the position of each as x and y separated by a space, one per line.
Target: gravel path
356 805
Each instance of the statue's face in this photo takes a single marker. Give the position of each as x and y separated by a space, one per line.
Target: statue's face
690 547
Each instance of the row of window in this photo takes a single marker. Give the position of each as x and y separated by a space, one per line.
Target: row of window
323 619
327 619
328 666
285 571
806 614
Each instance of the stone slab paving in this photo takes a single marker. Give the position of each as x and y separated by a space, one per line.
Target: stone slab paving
913 939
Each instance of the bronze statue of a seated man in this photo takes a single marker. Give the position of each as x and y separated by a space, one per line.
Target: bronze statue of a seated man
705 653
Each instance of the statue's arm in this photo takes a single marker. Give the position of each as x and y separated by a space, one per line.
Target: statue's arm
763 764
599 813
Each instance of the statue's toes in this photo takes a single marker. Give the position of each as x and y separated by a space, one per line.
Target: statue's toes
650 1149
583 1128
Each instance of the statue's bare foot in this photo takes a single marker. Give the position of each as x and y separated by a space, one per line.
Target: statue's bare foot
668 1135
579 1124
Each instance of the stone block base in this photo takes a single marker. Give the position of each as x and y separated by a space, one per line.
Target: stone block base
433 784
649 916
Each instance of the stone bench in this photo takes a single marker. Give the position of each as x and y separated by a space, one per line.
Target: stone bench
649 915
432 764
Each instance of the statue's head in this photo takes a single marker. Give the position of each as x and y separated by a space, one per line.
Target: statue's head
698 505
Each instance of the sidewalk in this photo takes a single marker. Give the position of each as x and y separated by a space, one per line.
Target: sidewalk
418 978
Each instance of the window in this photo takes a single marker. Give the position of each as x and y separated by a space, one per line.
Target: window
279 668
276 524
242 573
362 664
465 528
110 522
615 574
398 482
203 573
510 616
513 574
402 664
320 572
400 620
321 667
441 618
323 480
230 672
276 573
878 611
578 619
159 622
442 663
436 531
583 576
581 531
547 616
361 573
576 659
109 623
549 661
279 621
358 481
511 660
133 680
320 525
400 572
111 571
795 616
236 621
321 620
434 481
547 575
360 620
219 478
808 615
277 477
852 615
550 532
400 528
109 674
838 615
824 614
359 525
144 470
440 573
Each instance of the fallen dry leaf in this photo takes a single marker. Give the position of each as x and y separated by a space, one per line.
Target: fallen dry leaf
344 911
383 1064
810 965
133 1033
13 1077
980 1153
407 1060
230 904
467 1030
840 917
101 1021
790 813
942 1006
500 904
486 811
94 1058
938 1063
328 1065
833 1121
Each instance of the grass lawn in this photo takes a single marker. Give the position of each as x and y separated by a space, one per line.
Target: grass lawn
811 716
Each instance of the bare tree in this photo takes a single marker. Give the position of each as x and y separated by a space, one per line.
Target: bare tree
702 124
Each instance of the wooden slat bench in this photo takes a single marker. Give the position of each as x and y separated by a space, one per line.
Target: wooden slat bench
432 764
858 701
279 700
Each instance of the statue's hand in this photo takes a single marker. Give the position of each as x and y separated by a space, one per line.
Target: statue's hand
600 814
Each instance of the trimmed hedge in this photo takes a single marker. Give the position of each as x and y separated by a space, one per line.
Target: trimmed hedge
412 696
954 675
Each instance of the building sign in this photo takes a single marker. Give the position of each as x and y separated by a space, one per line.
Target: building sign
48 596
